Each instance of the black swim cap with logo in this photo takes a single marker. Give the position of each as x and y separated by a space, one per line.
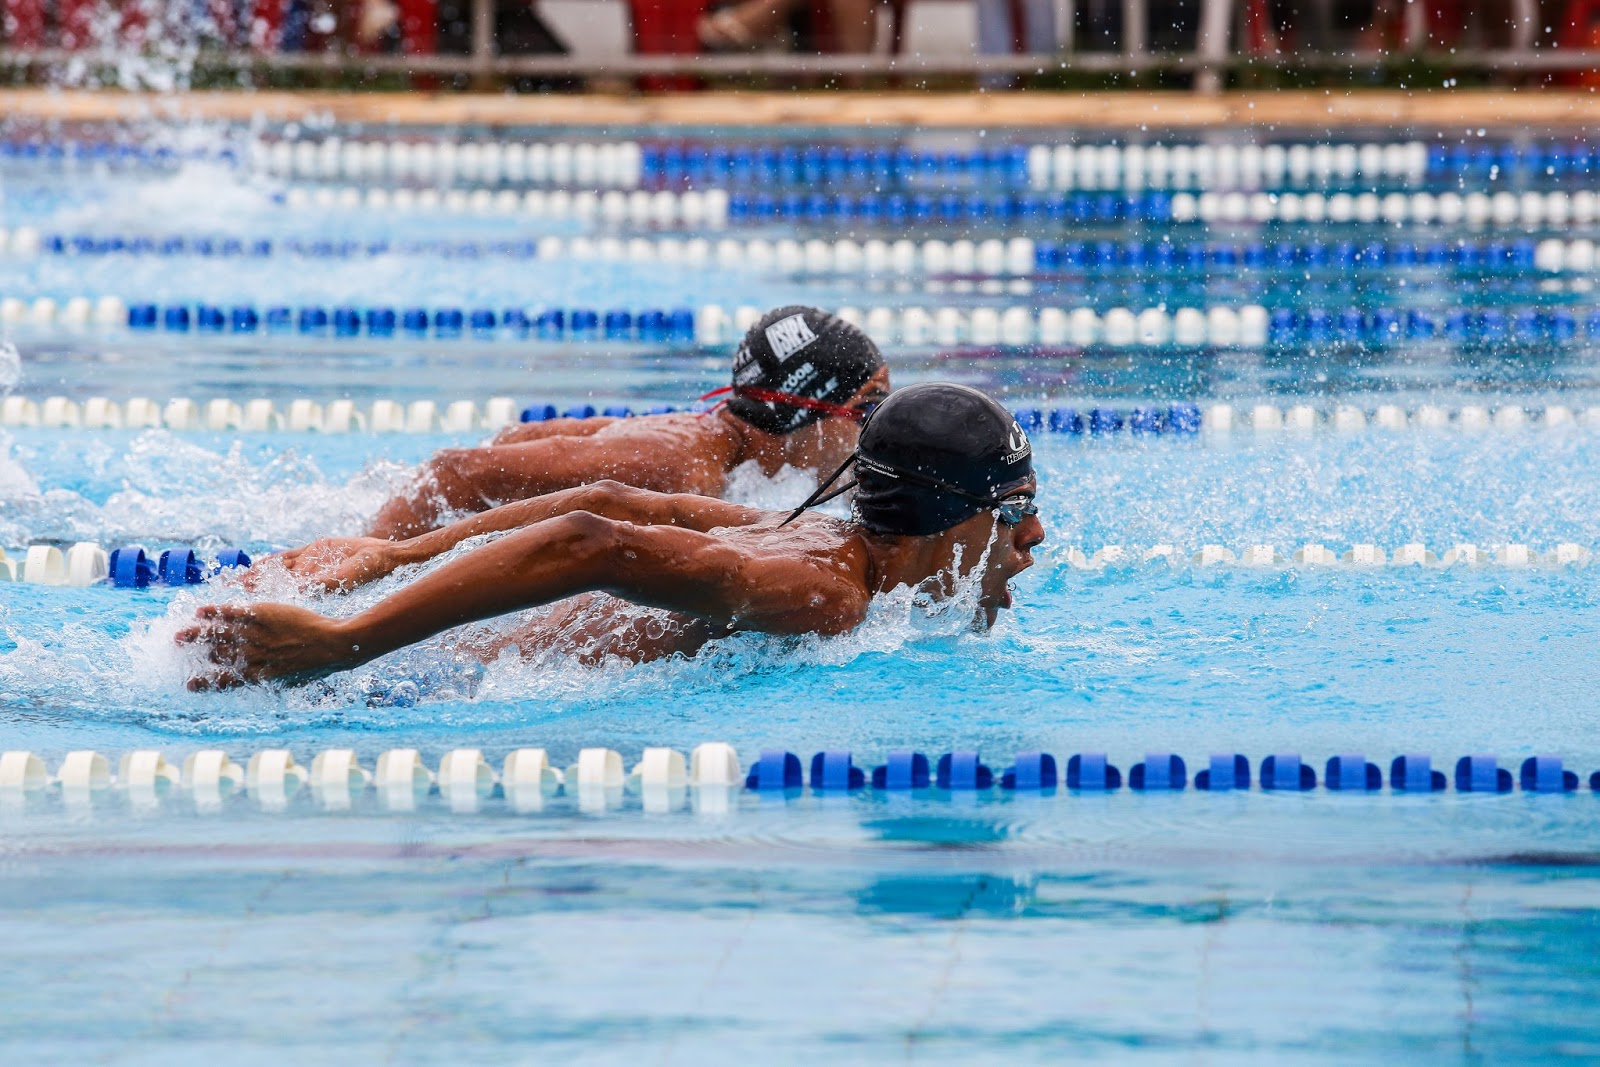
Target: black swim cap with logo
932 456
804 353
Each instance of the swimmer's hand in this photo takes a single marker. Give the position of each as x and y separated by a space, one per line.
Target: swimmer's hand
339 564
265 643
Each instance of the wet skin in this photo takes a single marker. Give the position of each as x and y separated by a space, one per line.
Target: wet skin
709 567
683 453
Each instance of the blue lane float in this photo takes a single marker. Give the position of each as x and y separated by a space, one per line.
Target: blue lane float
835 772
132 566
902 771
1414 773
1545 774
1032 772
962 772
1092 772
1481 774
1284 772
775 771
1227 771
1352 773
1158 771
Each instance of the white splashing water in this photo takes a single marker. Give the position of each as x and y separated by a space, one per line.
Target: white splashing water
141 676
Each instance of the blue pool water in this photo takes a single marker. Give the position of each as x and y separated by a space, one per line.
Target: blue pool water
1192 927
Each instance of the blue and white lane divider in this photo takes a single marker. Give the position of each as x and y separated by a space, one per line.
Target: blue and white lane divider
1091 421
128 567
626 163
715 208
259 415
1018 257
709 778
134 567
1245 326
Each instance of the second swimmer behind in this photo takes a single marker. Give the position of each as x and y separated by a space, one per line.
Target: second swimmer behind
802 382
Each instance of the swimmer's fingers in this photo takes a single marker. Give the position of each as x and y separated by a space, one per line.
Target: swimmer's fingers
205 683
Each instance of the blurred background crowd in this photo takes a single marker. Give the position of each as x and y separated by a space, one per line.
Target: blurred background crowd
1270 29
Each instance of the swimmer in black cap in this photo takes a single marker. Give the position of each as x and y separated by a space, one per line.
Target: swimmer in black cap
945 490
802 382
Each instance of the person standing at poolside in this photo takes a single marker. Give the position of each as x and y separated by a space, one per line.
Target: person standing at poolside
944 492
803 380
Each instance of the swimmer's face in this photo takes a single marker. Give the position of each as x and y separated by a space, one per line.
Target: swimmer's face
1011 555
828 442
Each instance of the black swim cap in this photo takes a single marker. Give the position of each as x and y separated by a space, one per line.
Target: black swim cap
934 455
803 352
929 457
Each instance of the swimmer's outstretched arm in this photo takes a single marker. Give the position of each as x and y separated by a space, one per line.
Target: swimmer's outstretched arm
538 431
729 586
344 563
471 479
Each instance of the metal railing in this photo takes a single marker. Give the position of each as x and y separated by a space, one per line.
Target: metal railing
1210 61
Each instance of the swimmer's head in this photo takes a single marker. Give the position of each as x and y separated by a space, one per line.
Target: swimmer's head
797 366
934 455
947 463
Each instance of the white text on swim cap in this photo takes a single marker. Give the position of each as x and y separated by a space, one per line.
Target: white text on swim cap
790 335
1018 443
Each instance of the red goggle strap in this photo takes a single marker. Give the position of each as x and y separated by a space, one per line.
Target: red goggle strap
771 396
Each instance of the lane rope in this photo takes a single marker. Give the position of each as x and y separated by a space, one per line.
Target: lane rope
1017 257
1091 421
663 779
87 563
1017 325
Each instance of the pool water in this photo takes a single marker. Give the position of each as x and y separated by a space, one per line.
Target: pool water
1187 927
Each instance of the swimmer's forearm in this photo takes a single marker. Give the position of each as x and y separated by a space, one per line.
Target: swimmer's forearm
513 516
606 499
539 565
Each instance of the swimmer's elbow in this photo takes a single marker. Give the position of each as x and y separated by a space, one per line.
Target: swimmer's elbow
616 500
451 467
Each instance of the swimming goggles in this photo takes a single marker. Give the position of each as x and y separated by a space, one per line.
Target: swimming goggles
772 396
1013 509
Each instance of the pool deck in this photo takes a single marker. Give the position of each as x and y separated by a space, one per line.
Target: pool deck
1439 112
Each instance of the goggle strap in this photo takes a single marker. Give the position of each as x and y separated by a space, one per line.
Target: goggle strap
928 482
818 497
772 396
